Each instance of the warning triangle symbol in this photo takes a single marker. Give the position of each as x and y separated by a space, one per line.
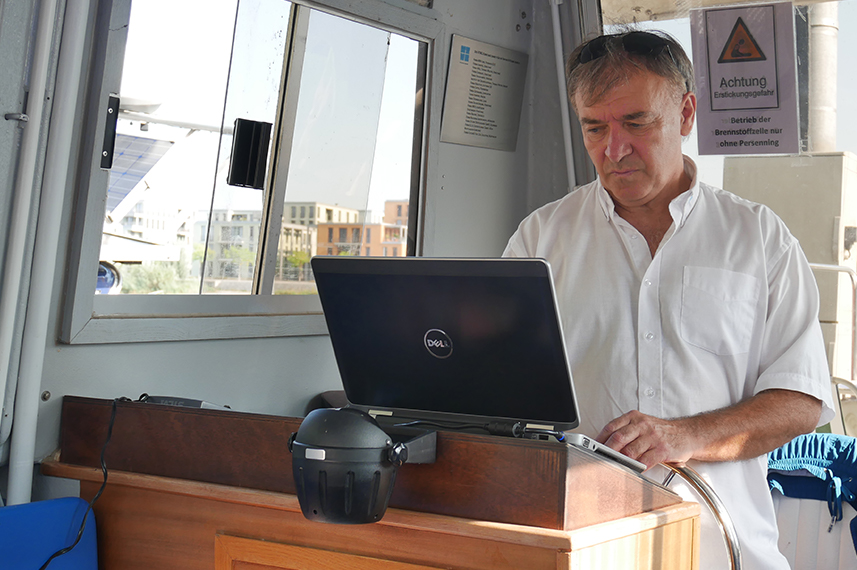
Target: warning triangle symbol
741 46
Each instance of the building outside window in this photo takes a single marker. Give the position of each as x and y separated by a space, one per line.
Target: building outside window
373 66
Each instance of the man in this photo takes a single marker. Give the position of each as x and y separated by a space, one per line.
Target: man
691 315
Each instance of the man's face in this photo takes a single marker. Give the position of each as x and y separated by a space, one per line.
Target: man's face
633 135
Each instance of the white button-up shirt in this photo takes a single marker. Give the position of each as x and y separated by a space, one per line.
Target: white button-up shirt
727 307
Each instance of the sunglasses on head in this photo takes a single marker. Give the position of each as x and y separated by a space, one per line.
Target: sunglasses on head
636 43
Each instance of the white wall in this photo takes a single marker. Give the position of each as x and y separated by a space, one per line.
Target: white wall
481 197
483 194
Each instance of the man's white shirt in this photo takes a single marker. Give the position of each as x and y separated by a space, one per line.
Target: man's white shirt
726 308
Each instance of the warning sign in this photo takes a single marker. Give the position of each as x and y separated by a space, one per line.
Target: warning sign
741 46
744 66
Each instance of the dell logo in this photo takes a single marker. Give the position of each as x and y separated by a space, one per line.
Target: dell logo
438 343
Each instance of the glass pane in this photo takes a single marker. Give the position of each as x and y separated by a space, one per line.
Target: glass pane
171 101
253 92
174 139
352 147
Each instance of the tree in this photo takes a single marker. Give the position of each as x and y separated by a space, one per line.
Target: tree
239 256
298 259
155 277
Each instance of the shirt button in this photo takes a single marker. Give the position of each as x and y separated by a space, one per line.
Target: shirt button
650 392
647 282
650 336
633 236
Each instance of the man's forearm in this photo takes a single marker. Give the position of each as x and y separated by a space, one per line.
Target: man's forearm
748 429
752 427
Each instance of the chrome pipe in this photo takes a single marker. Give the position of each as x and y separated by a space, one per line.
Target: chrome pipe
724 521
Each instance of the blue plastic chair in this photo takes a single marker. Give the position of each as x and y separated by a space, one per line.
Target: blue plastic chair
31 533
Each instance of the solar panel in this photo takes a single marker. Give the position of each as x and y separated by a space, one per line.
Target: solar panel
133 158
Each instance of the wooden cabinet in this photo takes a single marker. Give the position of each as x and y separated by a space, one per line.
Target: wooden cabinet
202 489
146 522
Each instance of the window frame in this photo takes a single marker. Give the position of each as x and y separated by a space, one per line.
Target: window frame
100 319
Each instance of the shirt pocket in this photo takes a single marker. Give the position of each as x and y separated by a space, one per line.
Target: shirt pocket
718 309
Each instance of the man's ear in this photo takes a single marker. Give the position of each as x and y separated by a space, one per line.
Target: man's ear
688 113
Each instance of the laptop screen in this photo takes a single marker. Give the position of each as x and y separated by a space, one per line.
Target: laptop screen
448 339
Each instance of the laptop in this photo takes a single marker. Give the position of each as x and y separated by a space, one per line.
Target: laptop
450 342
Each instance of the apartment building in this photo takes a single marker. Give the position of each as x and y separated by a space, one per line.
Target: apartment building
396 212
313 214
232 243
387 238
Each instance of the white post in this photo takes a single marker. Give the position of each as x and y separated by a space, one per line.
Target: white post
823 38
563 93
19 226
22 456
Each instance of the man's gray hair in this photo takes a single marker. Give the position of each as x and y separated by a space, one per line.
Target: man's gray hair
613 63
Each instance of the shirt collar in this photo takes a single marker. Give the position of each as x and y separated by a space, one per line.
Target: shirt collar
680 207
683 204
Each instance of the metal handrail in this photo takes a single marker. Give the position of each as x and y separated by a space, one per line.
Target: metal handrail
724 521
847 384
853 275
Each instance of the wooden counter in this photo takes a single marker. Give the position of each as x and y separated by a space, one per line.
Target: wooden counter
147 522
201 489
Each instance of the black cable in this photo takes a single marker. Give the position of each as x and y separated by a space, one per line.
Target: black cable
97 495
440 425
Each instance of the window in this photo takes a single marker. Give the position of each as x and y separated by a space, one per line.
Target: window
368 236
330 235
367 252
355 235
207 72
343 235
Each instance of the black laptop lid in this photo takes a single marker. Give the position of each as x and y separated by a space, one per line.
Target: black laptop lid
448 339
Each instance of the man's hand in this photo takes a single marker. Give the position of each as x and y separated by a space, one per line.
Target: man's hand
648 439
748 429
